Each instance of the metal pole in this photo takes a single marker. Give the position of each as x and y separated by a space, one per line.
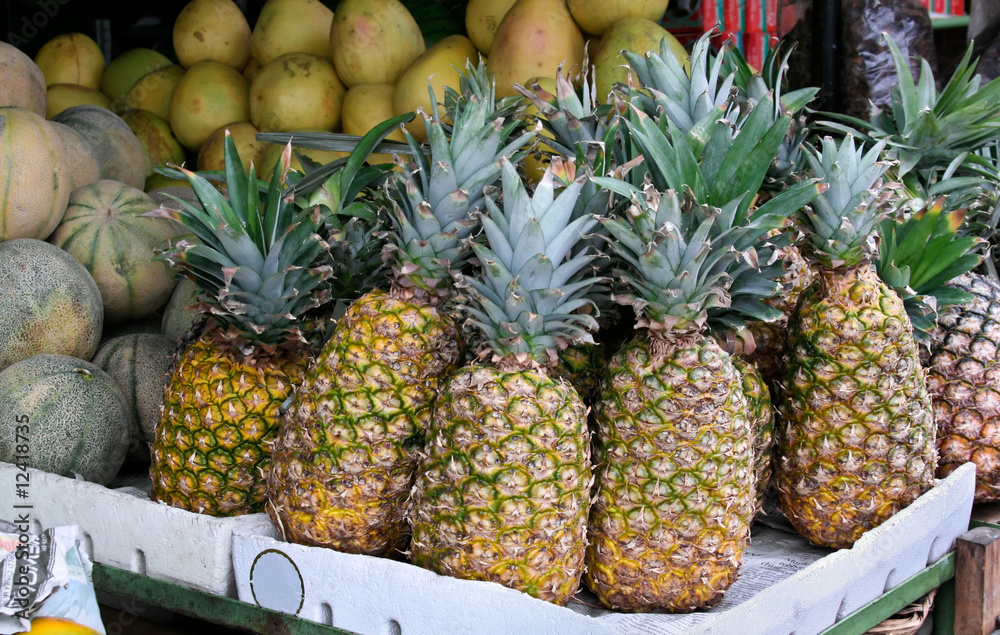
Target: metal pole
826 53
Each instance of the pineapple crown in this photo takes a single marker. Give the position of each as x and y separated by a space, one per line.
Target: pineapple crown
840 224
719 175
927 128
919 255
531 299
253 259
436 195
723 86
674 274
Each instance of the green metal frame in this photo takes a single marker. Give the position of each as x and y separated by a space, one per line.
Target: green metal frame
242 615
204 606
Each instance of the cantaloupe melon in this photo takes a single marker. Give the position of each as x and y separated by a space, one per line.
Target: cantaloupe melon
77 417
116 147
178 315
80 160
34 185
50 303
23 83
139 364
104 228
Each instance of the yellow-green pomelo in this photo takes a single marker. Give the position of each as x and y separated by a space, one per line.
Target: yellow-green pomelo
209 95
126 69
535 163
159 182
212 30
272 154
59 97
23 83
153 91
439 66
159 145
533 40
34 183
251 69
291 26
212 154
373 41
71 58
106 229
482 17
630 34
596 16
296 91
118 151
80 161
50 303
366 106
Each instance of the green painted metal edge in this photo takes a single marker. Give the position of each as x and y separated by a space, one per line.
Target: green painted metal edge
950 22
205 606
886 605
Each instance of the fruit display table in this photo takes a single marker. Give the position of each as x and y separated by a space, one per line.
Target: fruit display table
842 592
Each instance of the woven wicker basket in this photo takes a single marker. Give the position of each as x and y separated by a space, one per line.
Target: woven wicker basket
908 620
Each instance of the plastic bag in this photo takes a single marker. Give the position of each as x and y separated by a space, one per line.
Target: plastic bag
867 70
45 576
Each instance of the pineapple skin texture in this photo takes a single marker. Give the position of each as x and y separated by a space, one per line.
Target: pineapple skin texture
761 415
220 414
857 435
346 458
504 487
963 378
676 490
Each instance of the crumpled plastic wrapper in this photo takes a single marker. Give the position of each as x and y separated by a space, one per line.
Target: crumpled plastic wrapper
45 575
868 73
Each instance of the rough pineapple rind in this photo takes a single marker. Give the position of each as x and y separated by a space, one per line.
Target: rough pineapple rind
220 411
676 477
344 464
504 489
761 415
857 435
963 378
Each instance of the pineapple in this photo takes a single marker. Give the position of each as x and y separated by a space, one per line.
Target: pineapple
856 436
504 488
946 142
675 446
929 266
346 458
253 263
676 495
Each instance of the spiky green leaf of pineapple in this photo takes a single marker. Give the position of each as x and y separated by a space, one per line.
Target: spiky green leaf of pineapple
254 262
504 486
346 459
